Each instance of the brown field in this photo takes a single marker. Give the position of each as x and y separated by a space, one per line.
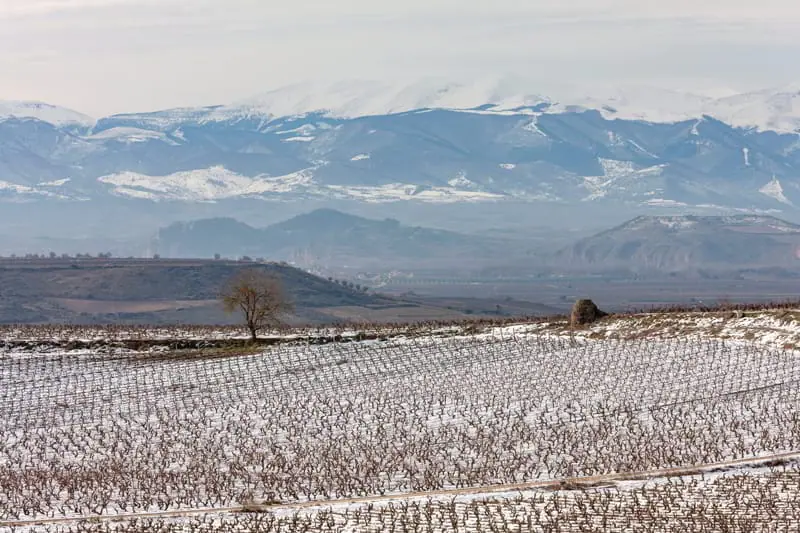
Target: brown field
129 306
394 314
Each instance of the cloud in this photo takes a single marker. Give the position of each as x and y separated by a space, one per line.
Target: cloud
27 8
117 55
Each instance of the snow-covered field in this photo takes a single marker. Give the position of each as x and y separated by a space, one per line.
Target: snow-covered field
777 329
87 434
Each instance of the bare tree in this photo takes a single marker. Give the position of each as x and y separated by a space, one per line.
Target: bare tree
259 296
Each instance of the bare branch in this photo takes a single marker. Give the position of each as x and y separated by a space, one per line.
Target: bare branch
259 297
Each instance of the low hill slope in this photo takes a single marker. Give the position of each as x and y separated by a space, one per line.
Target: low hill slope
151 291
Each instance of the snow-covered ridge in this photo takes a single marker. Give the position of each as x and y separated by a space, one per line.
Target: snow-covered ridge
364 98
769 109
775 109
58 116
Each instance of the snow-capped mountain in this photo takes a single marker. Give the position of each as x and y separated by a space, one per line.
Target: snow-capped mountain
769 110
775 109
370 98
57 116
426 141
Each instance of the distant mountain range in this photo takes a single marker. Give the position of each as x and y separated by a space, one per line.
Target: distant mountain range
681 245
329 238
432 142
326 240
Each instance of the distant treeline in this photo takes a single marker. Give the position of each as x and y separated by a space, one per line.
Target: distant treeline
109 255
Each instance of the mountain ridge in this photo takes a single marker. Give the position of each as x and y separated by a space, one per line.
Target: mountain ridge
52 114
326 237
770 109
522 147
681 244
645 246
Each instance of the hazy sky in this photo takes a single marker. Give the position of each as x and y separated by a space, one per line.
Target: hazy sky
104 56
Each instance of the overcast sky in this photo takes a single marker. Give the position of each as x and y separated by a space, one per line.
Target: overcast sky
105 56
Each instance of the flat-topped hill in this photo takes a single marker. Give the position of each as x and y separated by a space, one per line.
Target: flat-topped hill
151 291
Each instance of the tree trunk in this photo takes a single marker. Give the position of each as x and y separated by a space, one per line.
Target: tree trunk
253 336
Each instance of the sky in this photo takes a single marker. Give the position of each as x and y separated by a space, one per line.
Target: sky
107 56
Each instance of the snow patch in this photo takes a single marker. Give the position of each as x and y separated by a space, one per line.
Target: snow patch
614 168
460 181
663 202
218 183
55 183
533 126
130 135
774 190
209 184
8 188
641 149
676 222
404 191
304 130
616 174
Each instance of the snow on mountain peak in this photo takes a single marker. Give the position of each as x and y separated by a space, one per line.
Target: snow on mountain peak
775 109
365 98
58 116
651 104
